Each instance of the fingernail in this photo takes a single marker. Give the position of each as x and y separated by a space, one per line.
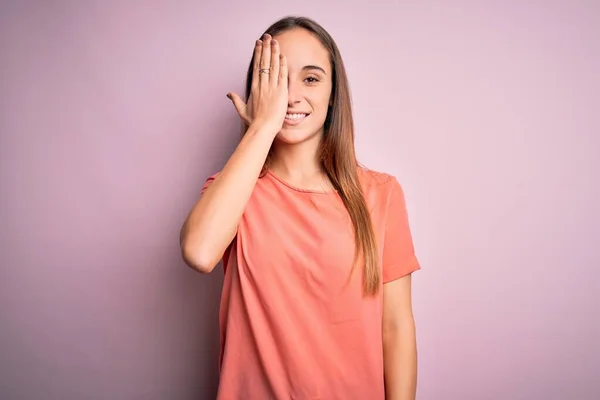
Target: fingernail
228 96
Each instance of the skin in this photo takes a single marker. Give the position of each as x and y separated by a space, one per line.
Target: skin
399 340
299 81
308 91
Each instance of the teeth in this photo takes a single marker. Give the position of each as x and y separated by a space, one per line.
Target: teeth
295 116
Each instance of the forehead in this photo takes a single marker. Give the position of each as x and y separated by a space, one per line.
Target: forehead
302 48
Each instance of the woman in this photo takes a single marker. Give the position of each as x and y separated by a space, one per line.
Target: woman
317 250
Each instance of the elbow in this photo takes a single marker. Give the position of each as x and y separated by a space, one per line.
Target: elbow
398 325
197 259
399 335
390 331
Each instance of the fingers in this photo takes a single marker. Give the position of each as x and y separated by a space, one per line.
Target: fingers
265 60
283 71
255 68
274 73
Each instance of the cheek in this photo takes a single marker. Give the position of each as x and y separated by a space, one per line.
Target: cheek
319 100
320 110
321 103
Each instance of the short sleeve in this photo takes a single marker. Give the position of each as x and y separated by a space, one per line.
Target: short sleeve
208 181
399 257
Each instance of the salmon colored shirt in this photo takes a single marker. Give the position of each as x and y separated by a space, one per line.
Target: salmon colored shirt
290 327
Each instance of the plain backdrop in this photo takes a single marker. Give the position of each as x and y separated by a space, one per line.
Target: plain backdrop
114 113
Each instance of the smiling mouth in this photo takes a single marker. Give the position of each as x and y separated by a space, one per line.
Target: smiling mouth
296 116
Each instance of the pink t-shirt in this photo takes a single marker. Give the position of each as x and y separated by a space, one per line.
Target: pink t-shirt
290 327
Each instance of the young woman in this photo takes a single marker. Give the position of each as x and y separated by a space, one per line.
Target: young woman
316 249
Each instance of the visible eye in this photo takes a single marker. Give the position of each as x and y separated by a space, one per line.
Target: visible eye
312 79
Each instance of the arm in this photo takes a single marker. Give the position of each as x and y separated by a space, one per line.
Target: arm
212 223
399 340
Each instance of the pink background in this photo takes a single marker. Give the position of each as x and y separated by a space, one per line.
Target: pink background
112 116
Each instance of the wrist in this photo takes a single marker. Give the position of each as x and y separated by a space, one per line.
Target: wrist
263 128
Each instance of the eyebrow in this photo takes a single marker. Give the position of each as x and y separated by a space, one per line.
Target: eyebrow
309 67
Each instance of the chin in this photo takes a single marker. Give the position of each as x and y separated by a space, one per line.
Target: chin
296 136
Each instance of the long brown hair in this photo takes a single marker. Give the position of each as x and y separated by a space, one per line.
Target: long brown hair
337 152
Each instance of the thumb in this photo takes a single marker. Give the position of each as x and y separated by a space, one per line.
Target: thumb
239 104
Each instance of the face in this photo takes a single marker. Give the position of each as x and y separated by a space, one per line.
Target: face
309 86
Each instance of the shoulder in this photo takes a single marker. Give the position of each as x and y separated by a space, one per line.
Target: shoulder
378 181
381 189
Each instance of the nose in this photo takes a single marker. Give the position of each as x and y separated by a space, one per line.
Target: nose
294 93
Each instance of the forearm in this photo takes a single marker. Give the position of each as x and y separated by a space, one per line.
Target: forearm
212 223
400 361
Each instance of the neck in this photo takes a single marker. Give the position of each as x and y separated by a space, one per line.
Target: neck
299 162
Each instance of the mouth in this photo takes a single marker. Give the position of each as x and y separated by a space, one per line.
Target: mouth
295 118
